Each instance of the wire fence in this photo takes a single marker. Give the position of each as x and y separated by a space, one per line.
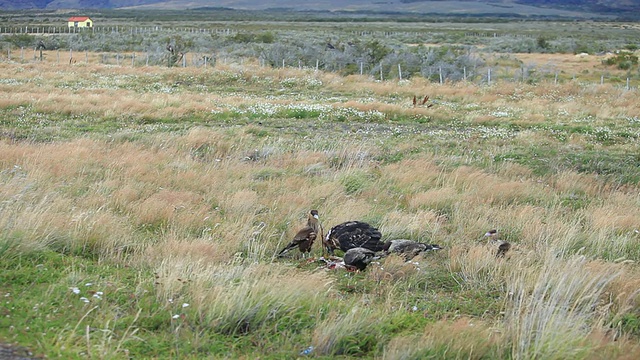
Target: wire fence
127 29
117 29
381 71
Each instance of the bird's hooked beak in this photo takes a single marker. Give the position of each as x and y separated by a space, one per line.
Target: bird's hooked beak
316 216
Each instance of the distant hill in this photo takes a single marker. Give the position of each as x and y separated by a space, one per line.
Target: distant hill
564 8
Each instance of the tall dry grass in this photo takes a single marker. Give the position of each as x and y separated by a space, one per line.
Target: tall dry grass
207 207
552 310
460 339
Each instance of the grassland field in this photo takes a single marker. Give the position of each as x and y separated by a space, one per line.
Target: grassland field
141 209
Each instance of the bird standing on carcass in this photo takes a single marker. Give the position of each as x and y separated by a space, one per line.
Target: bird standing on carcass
305 237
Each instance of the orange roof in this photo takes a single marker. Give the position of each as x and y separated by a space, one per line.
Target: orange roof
79 18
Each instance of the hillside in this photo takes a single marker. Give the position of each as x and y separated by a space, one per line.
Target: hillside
563 8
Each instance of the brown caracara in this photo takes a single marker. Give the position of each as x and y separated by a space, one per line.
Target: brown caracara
305 237
359 257
408 249
501 245
353 234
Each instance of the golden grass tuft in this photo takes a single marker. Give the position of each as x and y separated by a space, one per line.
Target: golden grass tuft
437 198
416 225
550 310
463 338
478 266
617 216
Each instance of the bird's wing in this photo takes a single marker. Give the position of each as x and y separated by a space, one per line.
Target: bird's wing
304 234
426 98
360 235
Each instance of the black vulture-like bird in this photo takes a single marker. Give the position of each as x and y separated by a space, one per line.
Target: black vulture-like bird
503 246
353 234
359 257
408 249
305 237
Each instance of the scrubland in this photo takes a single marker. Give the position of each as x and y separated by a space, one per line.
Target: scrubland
141 208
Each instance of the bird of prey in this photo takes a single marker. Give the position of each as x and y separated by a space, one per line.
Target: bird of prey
353 234
359 257
408 249
501 245
305 237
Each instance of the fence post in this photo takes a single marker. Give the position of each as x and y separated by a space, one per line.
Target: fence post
464 73
86 56
627 83
317 64
555 80
283 63
381 71
440 73
489 76
360 67
601 79
133 58
399 72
